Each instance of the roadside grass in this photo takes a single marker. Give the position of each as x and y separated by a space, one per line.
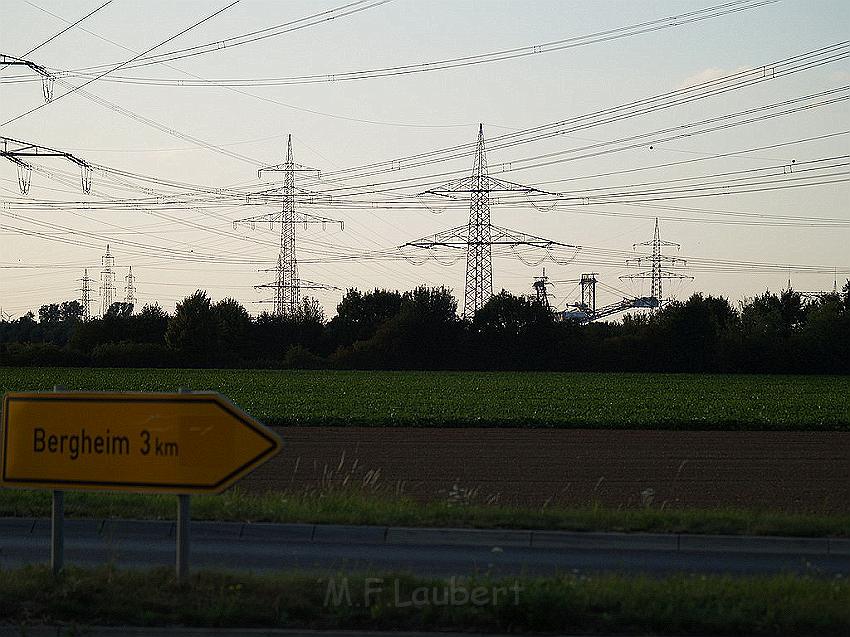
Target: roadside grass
488 399
683 604
358 507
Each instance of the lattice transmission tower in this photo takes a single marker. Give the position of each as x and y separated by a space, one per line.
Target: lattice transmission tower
656 274
47 78
21 153
86 294
107 281
130 288
479 235
541 290
287 285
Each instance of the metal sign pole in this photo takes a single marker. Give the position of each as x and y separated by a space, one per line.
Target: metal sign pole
57 525
184 516
57 532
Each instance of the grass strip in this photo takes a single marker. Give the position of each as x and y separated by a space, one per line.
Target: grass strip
343 507
488 399
775 605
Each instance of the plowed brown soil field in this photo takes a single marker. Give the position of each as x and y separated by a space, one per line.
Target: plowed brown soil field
794 471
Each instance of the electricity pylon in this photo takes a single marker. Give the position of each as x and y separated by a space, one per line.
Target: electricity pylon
540 289
130 288
282 305
14 150
656 274
85 294
479 235
287 285
47 78
107 281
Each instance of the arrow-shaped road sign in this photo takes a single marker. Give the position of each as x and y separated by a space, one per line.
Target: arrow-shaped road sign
161 443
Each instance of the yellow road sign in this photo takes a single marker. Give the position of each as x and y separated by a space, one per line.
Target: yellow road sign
161 443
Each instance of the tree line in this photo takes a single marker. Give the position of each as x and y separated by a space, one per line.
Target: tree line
419 329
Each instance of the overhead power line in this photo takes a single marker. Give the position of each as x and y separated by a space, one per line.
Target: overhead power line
123 64
261 97
253 36
734 81
669 22
616 114
642 140
66 29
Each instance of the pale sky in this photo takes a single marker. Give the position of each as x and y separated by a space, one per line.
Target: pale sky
335 125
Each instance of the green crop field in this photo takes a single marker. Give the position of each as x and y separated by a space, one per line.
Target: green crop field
502 399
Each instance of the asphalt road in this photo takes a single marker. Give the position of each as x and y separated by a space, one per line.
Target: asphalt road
334 549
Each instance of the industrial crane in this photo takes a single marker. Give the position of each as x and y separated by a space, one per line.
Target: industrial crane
586 310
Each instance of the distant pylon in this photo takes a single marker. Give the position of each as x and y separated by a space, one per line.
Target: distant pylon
107 281
539 285
284 294
130 288
479 235
656 274
85 294
281 306
287 284
288 293
479 258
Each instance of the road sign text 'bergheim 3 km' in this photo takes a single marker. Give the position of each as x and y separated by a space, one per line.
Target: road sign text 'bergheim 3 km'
149 442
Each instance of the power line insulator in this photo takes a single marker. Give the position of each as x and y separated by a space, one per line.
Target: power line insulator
47 84
24 177
85 178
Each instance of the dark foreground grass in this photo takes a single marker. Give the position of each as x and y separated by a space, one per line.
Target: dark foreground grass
354 507
506 399
777 605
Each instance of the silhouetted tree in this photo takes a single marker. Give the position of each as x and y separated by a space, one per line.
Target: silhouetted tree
232 326
48 314
58 321
420 329
687 336
823 343
273 336
359 315
149 325
512 332
192 331
71 311
845 295
425 334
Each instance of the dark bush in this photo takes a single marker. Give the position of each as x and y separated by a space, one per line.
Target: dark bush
39 354
126 354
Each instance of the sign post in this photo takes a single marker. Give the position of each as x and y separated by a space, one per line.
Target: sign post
57 524
184 517
181 443
57 532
